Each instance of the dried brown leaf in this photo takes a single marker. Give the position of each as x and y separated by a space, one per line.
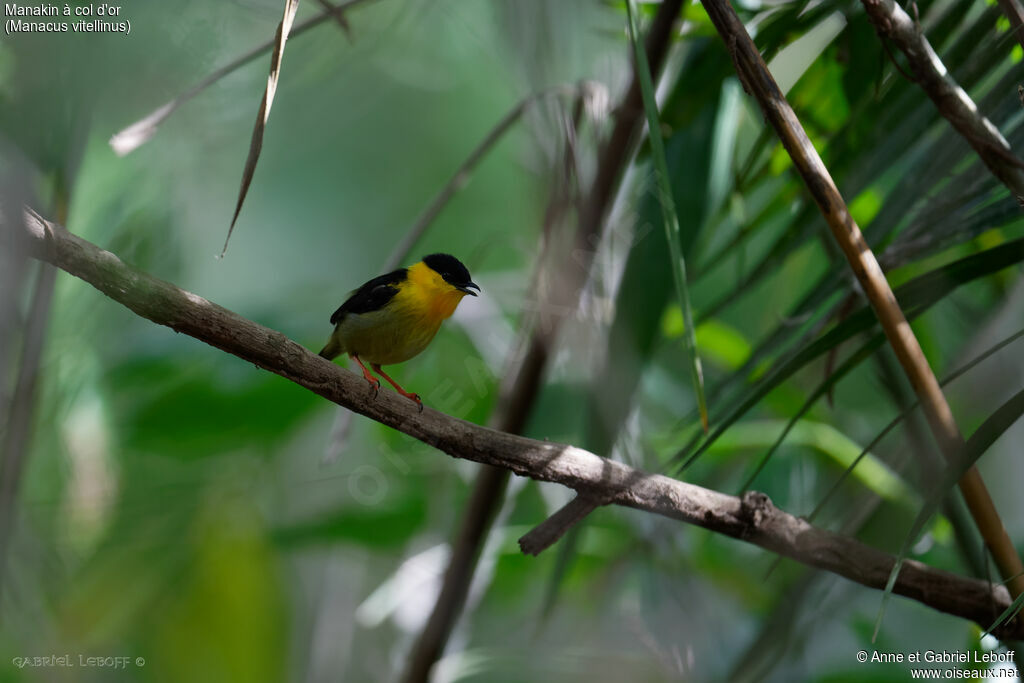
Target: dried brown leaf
256 144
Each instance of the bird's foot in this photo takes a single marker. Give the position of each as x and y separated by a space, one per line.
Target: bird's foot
374 382
409 395
413 397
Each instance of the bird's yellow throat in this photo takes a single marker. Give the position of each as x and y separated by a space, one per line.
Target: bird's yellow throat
427 291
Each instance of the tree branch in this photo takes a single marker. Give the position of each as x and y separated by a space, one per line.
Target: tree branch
752 519
339 17
1015 13
950 99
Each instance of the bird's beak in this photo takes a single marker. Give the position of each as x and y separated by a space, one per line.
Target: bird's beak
466 288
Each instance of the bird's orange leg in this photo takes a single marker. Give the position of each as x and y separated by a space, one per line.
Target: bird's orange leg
374 382
403 392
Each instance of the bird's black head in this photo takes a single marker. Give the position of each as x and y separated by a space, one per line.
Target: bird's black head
453 272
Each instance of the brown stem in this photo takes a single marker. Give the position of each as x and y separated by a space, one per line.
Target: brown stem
616 154
18 428
953 103
484 504
19 423
1015 13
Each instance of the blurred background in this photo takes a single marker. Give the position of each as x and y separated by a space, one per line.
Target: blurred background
172 503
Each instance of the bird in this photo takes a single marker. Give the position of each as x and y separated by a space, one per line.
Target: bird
394 316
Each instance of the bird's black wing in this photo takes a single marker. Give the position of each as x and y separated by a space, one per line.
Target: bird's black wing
372 296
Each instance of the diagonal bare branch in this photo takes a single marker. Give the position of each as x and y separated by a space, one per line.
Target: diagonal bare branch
752 519
950 99
339 17
462 174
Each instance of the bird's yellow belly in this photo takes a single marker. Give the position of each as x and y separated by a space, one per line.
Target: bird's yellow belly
386 337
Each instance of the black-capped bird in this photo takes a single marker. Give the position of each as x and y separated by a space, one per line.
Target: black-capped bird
393 317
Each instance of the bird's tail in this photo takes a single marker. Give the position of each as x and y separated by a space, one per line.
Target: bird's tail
332 350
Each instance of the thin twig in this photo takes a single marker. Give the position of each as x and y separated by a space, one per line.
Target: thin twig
19 423
462 174
752 519
339 17
138 133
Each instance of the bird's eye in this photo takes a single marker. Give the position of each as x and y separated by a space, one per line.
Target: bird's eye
446 276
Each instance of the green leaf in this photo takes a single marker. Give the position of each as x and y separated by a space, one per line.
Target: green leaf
722 341
825 439
853 361
671 220
1009 613
225 618
203 410
915 297
387 524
